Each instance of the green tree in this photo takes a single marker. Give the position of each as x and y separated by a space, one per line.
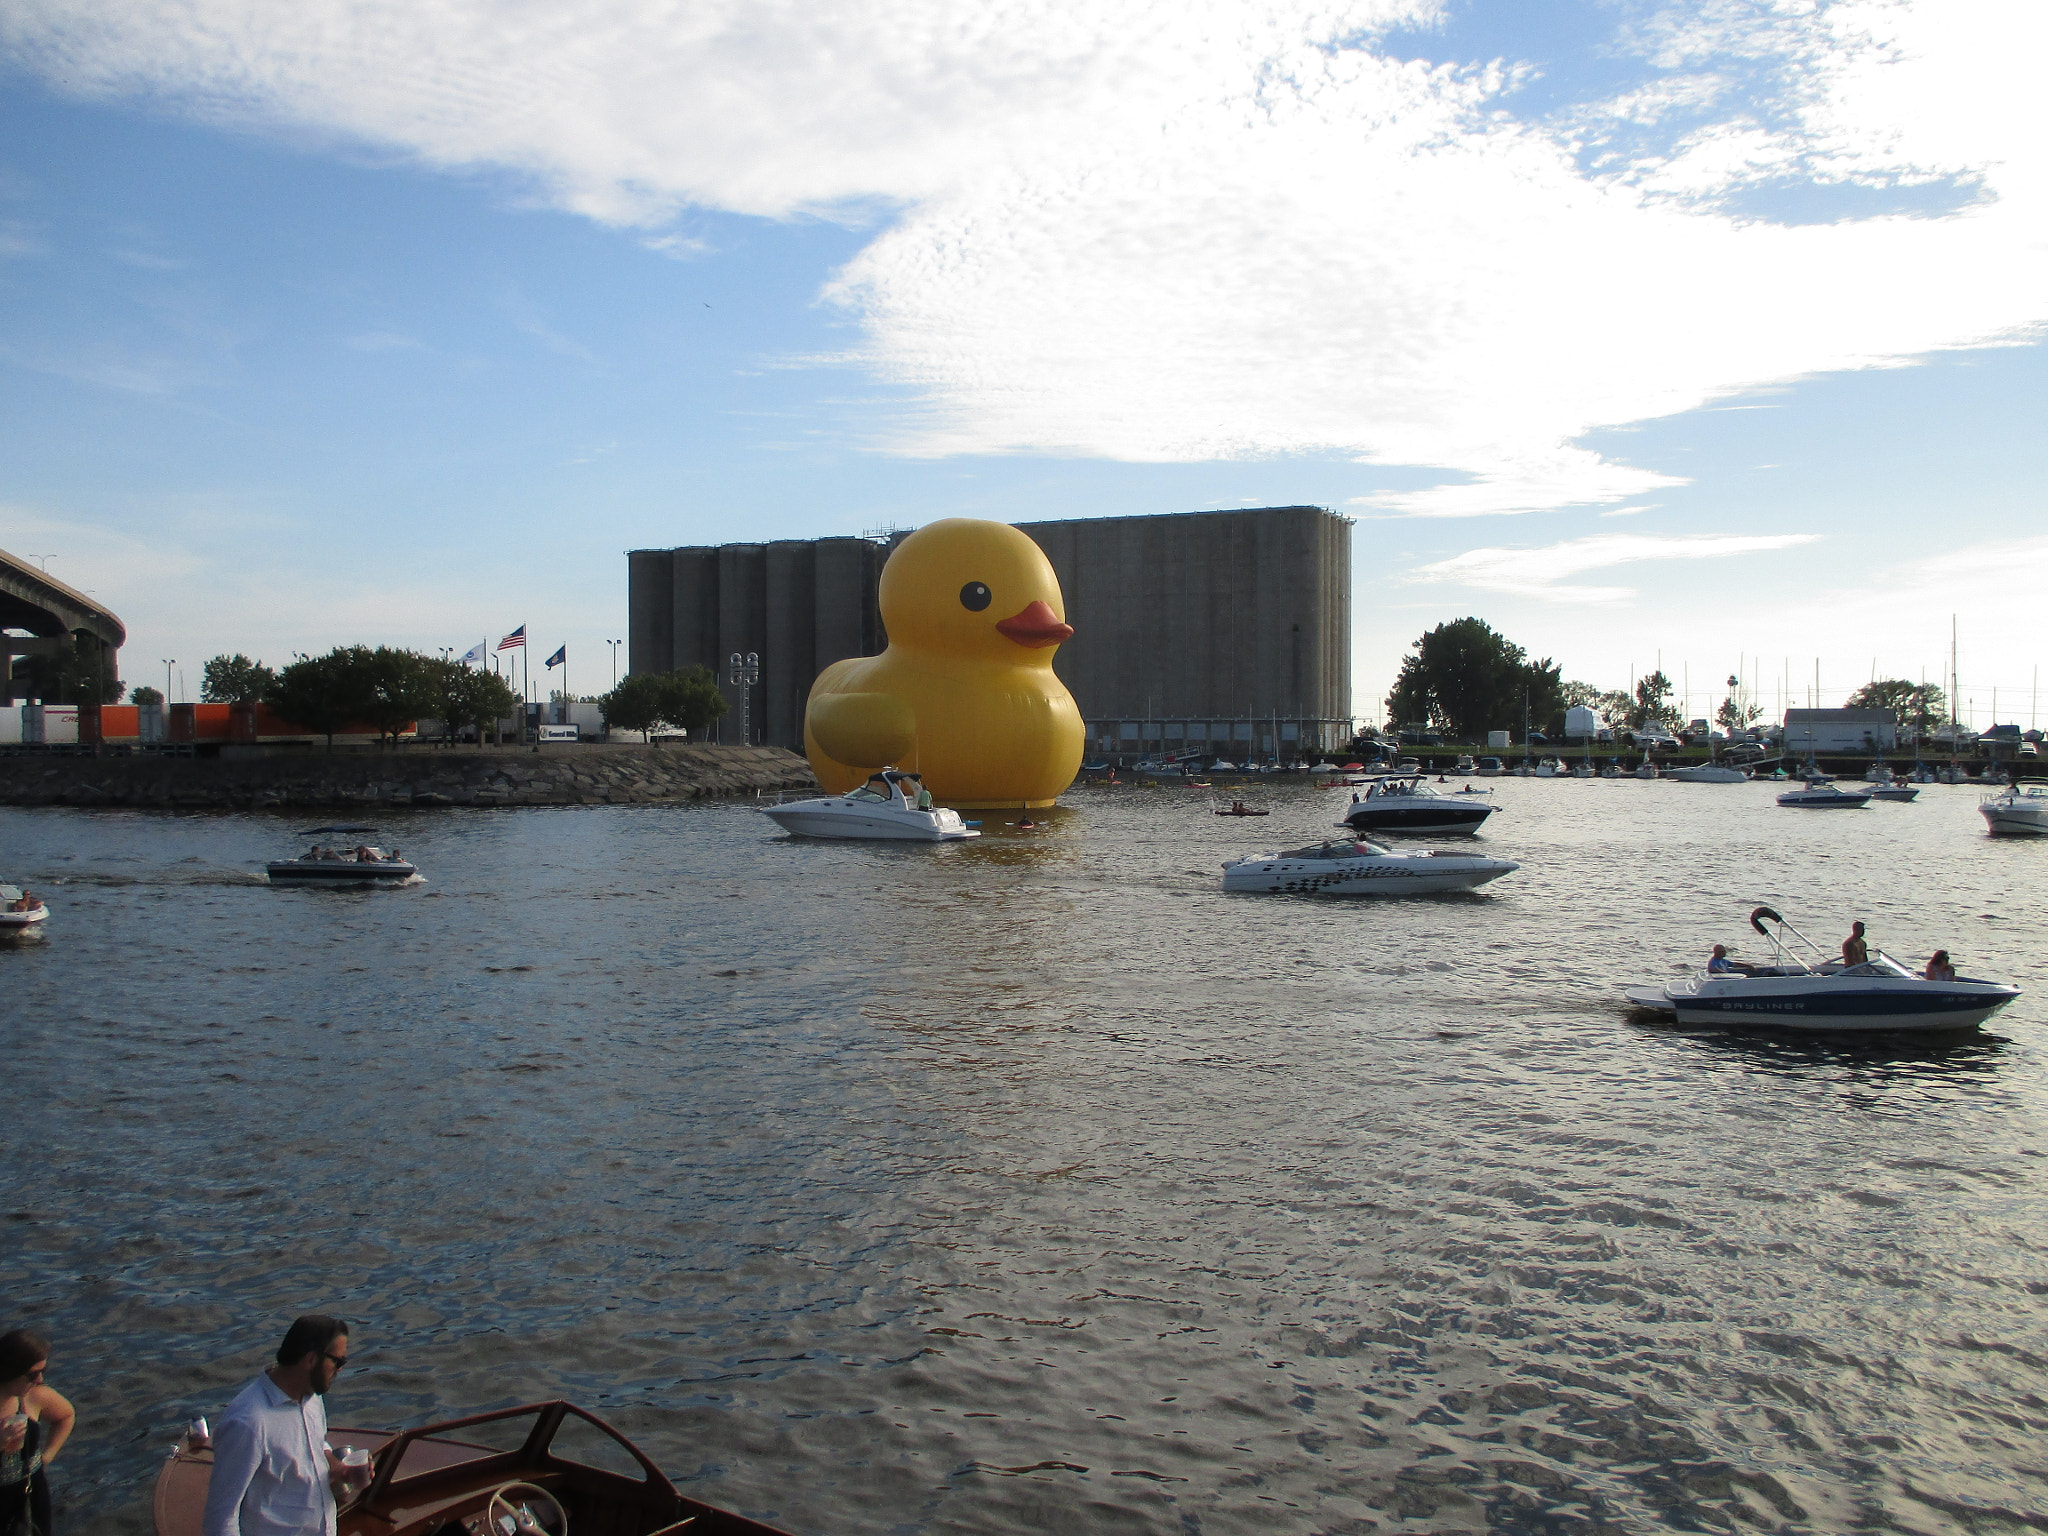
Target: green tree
322 694
394 687
146 695
1466 679
1544 697
635 704
1733 715
235 680
1917 704
461 695
688 699
691 698
1652 703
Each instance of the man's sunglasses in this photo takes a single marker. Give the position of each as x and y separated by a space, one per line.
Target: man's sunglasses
337 1361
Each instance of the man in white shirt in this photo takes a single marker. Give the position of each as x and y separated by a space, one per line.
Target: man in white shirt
273 1474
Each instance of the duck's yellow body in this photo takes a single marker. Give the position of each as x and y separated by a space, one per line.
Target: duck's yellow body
965 694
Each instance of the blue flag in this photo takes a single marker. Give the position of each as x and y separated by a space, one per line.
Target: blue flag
559 659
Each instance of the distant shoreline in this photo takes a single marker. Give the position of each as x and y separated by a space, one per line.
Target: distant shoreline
625 775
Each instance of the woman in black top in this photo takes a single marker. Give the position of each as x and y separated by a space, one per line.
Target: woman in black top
35 1421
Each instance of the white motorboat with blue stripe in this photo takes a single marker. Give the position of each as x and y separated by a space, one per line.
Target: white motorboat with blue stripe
1404 803
1821 793
1348 867
362 864
2021 811
1788 993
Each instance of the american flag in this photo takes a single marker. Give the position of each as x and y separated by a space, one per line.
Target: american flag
516 641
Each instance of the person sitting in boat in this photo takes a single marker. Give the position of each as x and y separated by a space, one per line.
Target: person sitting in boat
365 854
1939 968
25 902
1721 965
1854 950
394 857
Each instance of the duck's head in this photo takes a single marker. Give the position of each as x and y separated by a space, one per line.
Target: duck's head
974 588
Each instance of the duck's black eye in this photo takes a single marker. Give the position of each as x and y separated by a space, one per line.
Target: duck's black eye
974 597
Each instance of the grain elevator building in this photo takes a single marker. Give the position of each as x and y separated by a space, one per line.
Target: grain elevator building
1217 632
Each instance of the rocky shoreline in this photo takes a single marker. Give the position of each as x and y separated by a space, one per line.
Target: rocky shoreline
608 775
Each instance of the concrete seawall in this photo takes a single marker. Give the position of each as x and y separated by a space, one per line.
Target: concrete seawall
553 776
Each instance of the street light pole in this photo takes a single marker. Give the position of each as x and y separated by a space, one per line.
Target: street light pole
615 644
169 662
742 672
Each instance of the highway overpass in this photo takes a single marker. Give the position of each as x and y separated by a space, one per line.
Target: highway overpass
57 619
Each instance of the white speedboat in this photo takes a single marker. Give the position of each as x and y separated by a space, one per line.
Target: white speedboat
1349 867
1466 765
2021 811
891 805
1825 795
1788 993
1886 785
1489 768
356 864
1709 773
1406 803
19 913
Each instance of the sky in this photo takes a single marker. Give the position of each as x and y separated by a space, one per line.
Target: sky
1706 335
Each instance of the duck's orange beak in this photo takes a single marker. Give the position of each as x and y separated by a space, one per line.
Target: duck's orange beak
1037 626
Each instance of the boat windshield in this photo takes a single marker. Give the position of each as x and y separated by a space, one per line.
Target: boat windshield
1879 965
1401 787
1343 848
865 793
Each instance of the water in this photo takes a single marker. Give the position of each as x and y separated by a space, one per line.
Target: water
1033 1184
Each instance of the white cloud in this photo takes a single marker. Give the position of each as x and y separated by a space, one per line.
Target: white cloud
1538 572
18 240
1186 229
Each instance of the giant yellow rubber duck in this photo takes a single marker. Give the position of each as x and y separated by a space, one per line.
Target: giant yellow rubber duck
965 694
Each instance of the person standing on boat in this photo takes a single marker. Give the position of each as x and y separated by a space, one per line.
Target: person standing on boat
1854 950
273 1474
35 1421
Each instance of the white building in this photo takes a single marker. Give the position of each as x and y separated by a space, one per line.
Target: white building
1840 730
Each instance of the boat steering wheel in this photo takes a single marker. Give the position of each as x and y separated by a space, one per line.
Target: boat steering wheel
509 1512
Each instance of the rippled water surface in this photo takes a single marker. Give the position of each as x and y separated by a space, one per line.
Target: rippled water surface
1033 1184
